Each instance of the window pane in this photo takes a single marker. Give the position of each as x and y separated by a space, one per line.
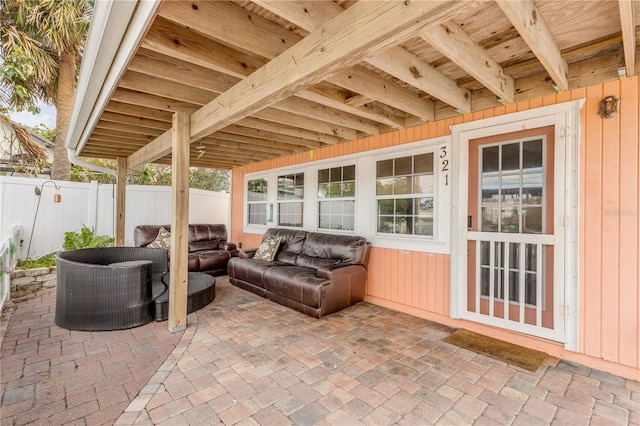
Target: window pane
532 220
532 188
349 173
323 176
257 214
349 207
349 189
402 185
404 206
404 225
511 156
423 163
335 190
323 191
336 174
423 184
510 220
385 207
290 214
336 208
325 207
386 224
403 166
490 219
384 168
348 223
384 186
490 159
424 206
424 226
511 189
490 193
532 154
325 221
299 179
257 190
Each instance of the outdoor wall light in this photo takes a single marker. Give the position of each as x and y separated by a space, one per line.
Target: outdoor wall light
609 107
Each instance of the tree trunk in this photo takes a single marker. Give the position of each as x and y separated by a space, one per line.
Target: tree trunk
61 169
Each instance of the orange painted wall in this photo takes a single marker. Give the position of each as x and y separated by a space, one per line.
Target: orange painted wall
418 283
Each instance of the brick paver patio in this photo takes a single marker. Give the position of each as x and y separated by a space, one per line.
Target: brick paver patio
245 360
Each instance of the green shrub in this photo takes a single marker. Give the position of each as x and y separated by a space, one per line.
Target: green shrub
85 239
46 261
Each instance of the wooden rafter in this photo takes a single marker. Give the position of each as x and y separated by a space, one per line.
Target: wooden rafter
455 44
525 16
628 22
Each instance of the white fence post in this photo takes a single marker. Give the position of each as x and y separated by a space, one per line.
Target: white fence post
92 205
8 259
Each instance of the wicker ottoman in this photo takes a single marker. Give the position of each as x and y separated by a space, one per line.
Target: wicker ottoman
201 290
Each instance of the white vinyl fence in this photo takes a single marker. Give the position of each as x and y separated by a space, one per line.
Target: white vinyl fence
8 259
43 222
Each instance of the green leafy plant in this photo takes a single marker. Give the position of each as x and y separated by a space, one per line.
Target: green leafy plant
85 239
46 261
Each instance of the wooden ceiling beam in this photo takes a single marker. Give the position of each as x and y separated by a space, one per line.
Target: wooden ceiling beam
271 136
153 85
525 16
628 23
173 69
115 117
285 129
297 105
124 135
128 128
287 118
262 143
233 26
397 61
455 44
241 145
151 101
407 67
179 42
138 111
368 83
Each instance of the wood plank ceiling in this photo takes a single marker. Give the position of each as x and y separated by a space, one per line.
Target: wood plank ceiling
475 56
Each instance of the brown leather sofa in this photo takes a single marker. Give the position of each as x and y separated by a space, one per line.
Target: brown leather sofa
314 273
209 250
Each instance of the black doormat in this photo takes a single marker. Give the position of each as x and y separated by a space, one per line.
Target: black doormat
522 357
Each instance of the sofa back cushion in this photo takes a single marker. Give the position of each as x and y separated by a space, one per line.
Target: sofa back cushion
328 249
204 245
205 232
291 243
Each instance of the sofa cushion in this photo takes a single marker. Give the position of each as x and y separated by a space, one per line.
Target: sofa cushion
342 248
268 249
297 283
211 260
162 240
207 232
250 270
315 262
204 245
290 244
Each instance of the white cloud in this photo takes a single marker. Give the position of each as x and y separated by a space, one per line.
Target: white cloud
47 116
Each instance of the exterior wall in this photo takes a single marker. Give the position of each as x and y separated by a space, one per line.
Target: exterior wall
419 283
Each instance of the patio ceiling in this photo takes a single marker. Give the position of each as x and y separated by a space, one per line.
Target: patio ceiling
267 78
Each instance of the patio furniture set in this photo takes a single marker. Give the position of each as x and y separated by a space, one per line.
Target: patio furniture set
123 287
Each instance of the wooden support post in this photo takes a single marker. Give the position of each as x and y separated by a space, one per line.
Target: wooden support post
121 195
179 221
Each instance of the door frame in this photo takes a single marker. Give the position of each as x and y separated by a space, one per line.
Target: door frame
566 119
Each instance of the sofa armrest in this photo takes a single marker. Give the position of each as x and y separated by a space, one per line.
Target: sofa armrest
345 286
226 246
329 270
247 254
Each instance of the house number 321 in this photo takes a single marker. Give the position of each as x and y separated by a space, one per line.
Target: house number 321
444 164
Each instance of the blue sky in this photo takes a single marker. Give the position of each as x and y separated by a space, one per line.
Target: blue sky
47 116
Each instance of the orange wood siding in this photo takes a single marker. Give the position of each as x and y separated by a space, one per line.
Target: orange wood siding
609 252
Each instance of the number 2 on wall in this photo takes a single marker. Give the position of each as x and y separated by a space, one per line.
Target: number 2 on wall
444 164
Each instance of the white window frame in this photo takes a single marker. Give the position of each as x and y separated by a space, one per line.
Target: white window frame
365 220
247 202
338 199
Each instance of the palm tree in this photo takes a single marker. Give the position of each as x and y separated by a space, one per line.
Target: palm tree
41 42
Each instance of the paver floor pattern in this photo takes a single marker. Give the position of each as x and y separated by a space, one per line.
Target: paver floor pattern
248 361
50 375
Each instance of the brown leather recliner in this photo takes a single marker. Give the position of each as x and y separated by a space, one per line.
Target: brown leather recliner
209 250
314 273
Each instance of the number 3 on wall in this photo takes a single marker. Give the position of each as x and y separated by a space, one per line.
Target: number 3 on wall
444 164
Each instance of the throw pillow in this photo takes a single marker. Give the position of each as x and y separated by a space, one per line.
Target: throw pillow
268 249
162 240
